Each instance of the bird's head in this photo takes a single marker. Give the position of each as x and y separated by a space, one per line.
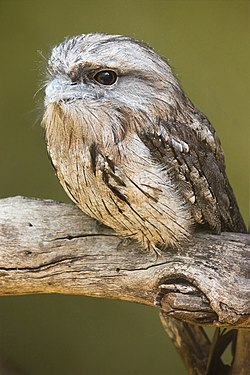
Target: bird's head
109 67
110 82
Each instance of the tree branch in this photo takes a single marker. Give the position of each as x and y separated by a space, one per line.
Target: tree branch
191 343
51 247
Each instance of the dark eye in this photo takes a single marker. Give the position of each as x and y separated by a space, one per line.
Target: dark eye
106 77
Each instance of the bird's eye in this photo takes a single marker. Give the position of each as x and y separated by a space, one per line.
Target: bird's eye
106 77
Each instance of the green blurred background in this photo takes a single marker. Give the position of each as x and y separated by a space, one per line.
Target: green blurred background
207 43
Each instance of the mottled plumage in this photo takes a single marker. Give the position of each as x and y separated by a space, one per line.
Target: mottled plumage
134 153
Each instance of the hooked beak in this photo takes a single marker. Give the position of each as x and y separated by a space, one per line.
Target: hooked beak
60 90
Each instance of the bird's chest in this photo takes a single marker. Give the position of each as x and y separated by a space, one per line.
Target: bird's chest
91 178
123 188
112 186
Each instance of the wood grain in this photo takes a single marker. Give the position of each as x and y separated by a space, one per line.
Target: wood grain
52 247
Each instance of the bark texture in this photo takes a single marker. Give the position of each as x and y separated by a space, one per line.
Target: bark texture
51 247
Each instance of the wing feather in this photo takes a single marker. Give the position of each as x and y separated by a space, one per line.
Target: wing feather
191 152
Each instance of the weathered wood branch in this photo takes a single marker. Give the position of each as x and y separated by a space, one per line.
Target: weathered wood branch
191 342
51 247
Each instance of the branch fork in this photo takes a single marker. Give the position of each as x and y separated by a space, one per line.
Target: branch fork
51 247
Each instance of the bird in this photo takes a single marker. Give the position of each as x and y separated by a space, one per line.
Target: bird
129 147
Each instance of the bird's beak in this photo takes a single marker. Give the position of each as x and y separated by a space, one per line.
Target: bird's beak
59 90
